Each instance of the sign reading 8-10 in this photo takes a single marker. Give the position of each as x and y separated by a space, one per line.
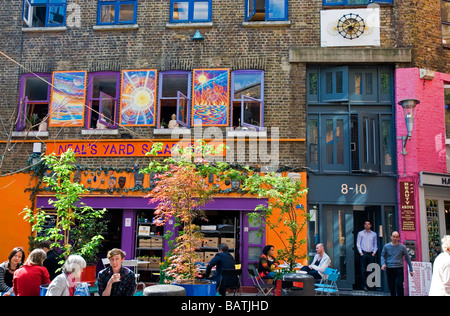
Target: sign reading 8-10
357 189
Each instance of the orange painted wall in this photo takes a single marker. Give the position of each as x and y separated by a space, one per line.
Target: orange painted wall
14 231
273 239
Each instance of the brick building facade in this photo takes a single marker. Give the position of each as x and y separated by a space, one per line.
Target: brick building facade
292 51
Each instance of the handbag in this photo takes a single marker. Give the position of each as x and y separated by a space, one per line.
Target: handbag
82 289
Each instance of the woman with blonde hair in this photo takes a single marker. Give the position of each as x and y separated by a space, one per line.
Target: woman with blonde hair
440 282
64 284
28 279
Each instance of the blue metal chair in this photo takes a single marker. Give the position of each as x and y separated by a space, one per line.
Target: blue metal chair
323 280
328 285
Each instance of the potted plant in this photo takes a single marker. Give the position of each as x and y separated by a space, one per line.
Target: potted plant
82 233
32 122
77 226
180 192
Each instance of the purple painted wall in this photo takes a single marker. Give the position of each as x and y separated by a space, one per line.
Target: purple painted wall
132 205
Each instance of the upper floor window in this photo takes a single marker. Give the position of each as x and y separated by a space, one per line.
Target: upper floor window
247 99
354 84
190 11
266 10
447 110
174 99
44 13
350 120
103 100
34 101
445 22
355 2
112 12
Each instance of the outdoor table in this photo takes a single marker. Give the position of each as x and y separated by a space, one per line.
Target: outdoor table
202 270
164 290
286 266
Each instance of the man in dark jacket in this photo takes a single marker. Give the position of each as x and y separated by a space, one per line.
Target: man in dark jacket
223 260
52 260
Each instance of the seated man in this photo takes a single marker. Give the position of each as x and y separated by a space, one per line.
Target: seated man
116 280
320 262
222 260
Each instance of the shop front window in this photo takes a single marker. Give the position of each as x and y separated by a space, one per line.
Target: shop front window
434 240
447 217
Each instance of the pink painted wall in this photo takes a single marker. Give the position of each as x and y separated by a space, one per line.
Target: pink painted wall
426 148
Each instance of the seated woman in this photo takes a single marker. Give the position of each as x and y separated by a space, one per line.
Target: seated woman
15 261
173 122
267 262
320 262
65 283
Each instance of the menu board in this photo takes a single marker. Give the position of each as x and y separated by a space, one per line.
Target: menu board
407 206
50 222
419 283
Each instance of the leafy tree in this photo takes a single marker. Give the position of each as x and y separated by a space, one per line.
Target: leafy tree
78 226
283 194
180 192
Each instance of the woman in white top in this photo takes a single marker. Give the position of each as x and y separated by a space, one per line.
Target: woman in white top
64 284
440 282
320 262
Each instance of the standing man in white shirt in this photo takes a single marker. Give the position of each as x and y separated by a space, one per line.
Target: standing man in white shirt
366 243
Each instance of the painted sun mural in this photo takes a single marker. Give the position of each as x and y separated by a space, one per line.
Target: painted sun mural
68 98
210 97
137 104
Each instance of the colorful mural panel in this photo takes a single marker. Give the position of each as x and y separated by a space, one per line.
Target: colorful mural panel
68 98
138 97
210 97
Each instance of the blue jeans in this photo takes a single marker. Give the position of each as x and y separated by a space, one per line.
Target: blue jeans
270 275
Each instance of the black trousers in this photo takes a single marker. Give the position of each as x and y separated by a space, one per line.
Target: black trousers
395 279
365 260
312 272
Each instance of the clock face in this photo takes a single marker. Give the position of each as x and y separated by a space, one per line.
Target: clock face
351 26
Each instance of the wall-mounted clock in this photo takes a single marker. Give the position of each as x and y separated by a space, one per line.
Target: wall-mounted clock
351 26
